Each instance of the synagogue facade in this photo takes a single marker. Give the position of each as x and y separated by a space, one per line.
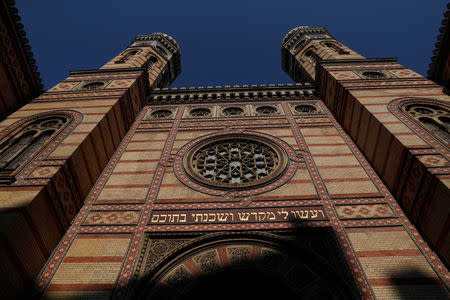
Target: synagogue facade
336 187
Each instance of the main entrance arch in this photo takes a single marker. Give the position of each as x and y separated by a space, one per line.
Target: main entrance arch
244 265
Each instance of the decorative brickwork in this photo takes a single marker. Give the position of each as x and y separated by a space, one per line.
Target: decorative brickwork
327 184
166 193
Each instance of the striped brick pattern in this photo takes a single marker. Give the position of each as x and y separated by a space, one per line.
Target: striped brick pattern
324 53
367 110
300 186
90 267
138 61
50 190
132 176
393 265
145 178
341 171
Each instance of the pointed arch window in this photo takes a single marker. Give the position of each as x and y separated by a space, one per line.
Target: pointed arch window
432 116
19 148
313 57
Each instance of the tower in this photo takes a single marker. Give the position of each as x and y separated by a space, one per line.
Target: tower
304 46
158 53
20 79
53 150
397 118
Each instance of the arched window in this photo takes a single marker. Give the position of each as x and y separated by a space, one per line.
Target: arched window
162 51
126 56
152 61
336 48
313 57
17 149
300 44
432 116
93 85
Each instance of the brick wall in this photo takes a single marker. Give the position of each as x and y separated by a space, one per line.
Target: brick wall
328 183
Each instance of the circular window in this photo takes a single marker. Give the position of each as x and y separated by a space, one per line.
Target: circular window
93 85
235 161
305 108
266 110
55 122
200 112
373 75
421 109
162 113
233 111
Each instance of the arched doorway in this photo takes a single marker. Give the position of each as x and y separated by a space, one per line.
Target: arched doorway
246 265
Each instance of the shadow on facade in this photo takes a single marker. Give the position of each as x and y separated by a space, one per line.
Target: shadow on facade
301 263
412 283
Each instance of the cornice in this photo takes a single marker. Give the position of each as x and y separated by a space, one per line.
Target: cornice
357 61
106 71
18 28
231 93
440 53
295 34
166 40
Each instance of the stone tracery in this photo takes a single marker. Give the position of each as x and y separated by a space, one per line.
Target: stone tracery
235 162
19 148
433 117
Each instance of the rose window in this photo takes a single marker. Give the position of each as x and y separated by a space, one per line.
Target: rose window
373 75
236 161
161 114
93 85
266 110
233 111
305 108
200 112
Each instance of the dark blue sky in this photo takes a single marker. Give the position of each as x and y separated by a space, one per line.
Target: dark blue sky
226 42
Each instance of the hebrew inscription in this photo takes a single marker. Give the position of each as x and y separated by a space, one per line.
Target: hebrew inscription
282 214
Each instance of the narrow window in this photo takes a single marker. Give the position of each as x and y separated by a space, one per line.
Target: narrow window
162 51
336 48
152 61
313 57
126 56
18 149
300 44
